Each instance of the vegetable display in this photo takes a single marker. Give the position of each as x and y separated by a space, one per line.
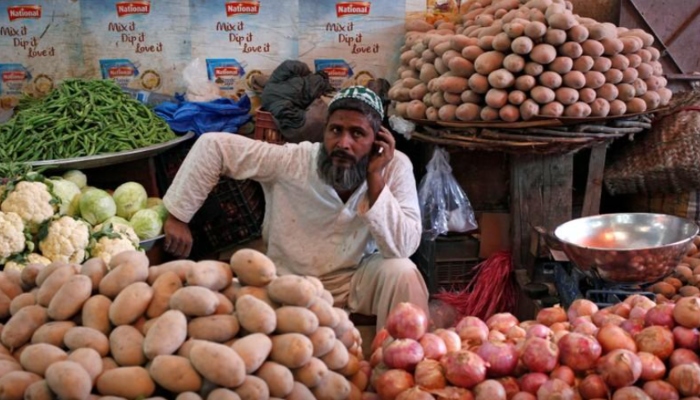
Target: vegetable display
512 60
179 330
80 118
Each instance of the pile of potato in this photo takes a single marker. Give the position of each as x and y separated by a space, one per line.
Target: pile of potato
511 60
180 330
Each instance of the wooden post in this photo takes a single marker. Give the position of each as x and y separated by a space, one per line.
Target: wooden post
594 182
541 192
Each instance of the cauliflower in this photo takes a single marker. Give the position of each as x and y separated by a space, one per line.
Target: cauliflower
111 239
32 201
31 258
12 238
65 240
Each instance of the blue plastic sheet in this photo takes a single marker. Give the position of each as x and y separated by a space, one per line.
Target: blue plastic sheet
220 115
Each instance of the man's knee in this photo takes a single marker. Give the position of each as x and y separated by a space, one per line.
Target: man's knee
399 269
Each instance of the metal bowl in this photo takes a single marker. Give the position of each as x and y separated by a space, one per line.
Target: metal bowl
149 243
632 248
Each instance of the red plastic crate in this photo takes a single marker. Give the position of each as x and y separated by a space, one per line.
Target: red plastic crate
266 129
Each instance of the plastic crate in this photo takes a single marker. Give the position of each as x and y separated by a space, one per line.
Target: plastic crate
447 262
231 215
266 128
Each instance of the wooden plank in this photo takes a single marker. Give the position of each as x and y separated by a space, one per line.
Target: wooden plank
594 182
541 191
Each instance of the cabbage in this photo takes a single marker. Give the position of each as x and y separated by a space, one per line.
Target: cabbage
86 188
96 206
66 191
76 177
116 220
153 201
147 224
130 197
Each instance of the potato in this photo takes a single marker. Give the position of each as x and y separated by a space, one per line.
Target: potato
37 357
653 51
179 267
322 341
20 327
459 42
550 79
214 328
619 62
592 48
644 71
514 63
69 299
602 31
431 114
634 60
521 45
107 362
617 107
337 358
664 96
600 108
253 388
574 79
566 96
194 301
29 274
602 64
223 394
478 83
47 271
166 335
300 392
21 301
95 269
516 97
311 373
255 316
640 87
418 92
185 396
294 290
646 38
553 109
95 313
587 95
442 48
535 30
563 21
163 288
613 76
514 29
529 109
68 380
291 349
9 364
39 390
130 304
578 110
129 267
175 374
333 386
218 363
126 346
636 105
571 49
542 95
80 336
90 360
13 384
278 378
416 109
555 37
631 44
496 98
471 53
533 68
291 319
128 382
52 284
607 92
253 350
449 55
52 333
501 42
214 275
561 65
653 83
509 113
543 53
501 79
611 46
578 33
525 83
626 92
489 113
324 311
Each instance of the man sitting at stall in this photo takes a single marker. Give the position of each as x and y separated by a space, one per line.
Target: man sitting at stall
345 210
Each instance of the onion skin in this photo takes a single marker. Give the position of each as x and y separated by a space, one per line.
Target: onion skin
657 340
633 326
578 351
551 315
407 321
586 328
581 308
630 393
620 368
686 379
539 355
612 337
593 387
510 384
683 356
653 368
501 322
403 354
515 332
540 331
565 374
555 389
524 396
661 315
532 381
376 357
392 382
638 313
472 330
489 390
686 338
414 393
464 368
379 339
661 390
687 312
502 358
452 340
433 346
430 374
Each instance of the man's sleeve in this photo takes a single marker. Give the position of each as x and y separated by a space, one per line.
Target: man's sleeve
215 155
394 220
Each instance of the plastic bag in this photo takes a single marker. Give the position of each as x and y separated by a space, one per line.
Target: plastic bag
444 205
199 87
402 126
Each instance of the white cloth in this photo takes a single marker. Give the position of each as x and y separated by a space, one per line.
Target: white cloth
307 228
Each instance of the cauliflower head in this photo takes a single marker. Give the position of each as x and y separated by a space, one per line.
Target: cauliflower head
32 201
31 258
66 240
111 239
12 238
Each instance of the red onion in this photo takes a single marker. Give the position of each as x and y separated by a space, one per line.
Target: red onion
376 373
661 315
622 309
527 324
580 308
510 384
637 300
661 390
652 366
578 351
558 335
361 377
430 374
502 358
551 315
565 374
452 393
403 354
464 368
489 390
657 340
379 339
540 331
560 326
515 332
433 346
686 378
587 328
632 326
687 312
377 357
370 396
613 337
686 338
555 389
620 368
539 355
524 396
472 330
638 313
414 393
392 382
452 340
581 320
496 336
532 381
501 322
683 356
593 387
607 319
407 321
630 393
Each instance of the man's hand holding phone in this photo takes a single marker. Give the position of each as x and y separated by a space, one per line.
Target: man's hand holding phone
382 152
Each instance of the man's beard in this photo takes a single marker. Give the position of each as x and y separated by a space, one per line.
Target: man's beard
341 178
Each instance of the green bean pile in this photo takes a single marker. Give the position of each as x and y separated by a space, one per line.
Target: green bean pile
80 118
